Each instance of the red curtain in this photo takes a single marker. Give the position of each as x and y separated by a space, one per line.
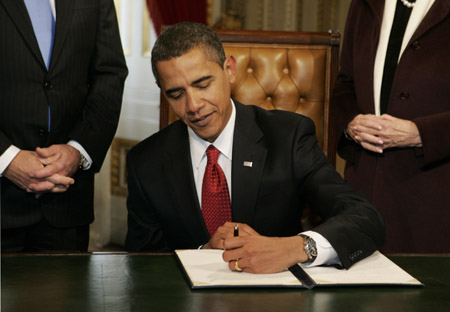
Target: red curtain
169 12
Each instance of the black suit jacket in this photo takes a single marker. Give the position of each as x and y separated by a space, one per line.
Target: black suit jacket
83 87
289 170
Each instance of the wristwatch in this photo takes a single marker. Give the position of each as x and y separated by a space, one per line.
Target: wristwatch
310 247
84 163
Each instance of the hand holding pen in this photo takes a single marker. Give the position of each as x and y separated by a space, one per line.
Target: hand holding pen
228 231
236 234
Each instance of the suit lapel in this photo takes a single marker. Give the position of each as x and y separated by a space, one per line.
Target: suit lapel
64 12
247 147
178 170
19 15
439 11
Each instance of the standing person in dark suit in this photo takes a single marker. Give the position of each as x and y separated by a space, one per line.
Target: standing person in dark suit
61 82
269 167
392 113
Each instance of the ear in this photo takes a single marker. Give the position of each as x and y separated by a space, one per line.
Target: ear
229 66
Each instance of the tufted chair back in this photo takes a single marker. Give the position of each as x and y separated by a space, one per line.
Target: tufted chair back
293 71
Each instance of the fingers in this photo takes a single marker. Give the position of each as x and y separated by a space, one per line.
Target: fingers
372 148
226 231
237 265
54 184
40 187
260 254
244 229
46 172
366 130
58 179
365 123
18 171
370 142
47 152
66 163
48 160
234 242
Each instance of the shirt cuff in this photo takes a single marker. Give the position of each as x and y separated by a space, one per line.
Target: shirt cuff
7 157
325 252
82 151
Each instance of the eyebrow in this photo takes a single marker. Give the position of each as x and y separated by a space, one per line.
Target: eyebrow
200 80
196 82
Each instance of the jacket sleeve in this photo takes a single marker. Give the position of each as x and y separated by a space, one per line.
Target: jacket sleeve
351 224
106 81
433 131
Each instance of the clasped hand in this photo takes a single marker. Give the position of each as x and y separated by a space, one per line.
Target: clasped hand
44 170
379 133
257 253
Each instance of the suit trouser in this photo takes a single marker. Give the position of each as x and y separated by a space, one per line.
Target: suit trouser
45 237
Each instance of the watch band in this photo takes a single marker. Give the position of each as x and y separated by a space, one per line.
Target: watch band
310 247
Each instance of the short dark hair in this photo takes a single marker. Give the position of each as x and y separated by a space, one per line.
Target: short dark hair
179 39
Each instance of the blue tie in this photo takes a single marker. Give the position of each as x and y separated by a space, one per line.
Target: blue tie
43 21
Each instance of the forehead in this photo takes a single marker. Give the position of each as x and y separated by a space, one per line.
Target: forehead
189 66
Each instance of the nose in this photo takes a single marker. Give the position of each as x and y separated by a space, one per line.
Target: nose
193 102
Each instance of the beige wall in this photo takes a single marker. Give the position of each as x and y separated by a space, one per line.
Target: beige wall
288 15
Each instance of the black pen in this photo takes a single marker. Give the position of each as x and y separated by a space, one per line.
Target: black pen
236 230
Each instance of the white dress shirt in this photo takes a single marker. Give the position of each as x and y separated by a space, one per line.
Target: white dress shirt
224 143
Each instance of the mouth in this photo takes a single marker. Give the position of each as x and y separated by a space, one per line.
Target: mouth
202 121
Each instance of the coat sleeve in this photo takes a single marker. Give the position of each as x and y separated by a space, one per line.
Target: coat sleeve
433 131
106 81
351 224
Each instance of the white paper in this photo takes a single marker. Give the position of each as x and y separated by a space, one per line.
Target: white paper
206 268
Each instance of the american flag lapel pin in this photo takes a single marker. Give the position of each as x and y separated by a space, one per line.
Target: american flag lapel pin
248 164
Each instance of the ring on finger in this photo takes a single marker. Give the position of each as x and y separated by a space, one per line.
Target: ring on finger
236 266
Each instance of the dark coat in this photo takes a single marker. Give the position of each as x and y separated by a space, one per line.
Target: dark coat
83 88
289 170
410 186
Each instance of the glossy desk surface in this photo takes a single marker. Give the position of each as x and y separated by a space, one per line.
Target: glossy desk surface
150 282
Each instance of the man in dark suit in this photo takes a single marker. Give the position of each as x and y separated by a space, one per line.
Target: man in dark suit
271 163
61 87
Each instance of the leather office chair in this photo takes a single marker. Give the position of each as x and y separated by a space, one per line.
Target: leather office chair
293 71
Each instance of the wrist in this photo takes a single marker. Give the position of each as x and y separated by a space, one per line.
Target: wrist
297 252
83 163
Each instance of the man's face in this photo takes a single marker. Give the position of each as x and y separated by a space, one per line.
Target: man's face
198 90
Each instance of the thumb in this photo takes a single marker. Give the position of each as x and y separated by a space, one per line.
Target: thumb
45 152
48 160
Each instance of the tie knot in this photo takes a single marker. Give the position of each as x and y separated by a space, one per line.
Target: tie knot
213 154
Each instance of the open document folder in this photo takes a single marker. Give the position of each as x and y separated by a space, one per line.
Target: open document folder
205 268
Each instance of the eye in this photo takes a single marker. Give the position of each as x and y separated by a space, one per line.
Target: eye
203 85
176 95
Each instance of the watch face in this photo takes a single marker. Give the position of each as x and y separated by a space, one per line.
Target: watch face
310 247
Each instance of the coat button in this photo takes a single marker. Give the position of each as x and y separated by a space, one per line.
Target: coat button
48 85
415 45
404 95
42 132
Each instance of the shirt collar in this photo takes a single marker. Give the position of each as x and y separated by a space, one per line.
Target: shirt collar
224 142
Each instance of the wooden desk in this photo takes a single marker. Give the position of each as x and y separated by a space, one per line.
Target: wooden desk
148 282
